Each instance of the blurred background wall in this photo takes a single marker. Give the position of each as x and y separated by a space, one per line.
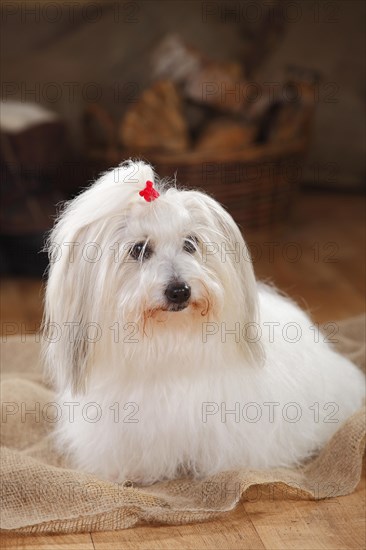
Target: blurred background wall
66 56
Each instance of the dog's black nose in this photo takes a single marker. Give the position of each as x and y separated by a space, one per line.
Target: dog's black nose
178 293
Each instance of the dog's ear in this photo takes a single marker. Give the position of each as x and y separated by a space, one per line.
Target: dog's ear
240 283
76 287
68 311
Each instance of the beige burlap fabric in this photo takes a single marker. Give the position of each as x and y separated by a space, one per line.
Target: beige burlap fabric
41 494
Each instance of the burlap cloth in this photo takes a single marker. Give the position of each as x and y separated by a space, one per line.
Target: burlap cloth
41 494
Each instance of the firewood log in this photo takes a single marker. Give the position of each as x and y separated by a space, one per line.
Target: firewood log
226 135
290 118
220 85
217 85
155 121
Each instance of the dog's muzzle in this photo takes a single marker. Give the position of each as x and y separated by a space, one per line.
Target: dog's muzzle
178 295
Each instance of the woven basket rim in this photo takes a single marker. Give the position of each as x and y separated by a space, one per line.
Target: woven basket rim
253 154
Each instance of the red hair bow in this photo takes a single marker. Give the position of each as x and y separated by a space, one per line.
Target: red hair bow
149 193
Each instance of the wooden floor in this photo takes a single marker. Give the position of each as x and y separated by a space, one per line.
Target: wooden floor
319 261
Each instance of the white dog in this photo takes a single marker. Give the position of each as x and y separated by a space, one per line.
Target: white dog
168 357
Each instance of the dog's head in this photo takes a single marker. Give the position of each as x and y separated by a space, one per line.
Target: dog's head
161 260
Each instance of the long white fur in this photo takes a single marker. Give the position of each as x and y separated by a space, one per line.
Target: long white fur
162 383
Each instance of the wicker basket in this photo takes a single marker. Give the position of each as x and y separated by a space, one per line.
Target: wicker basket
256 186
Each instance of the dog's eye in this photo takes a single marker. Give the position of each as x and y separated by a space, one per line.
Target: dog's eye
141 251
190 244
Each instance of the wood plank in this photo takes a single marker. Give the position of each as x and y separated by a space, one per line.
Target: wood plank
21 306
336 523
47 542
